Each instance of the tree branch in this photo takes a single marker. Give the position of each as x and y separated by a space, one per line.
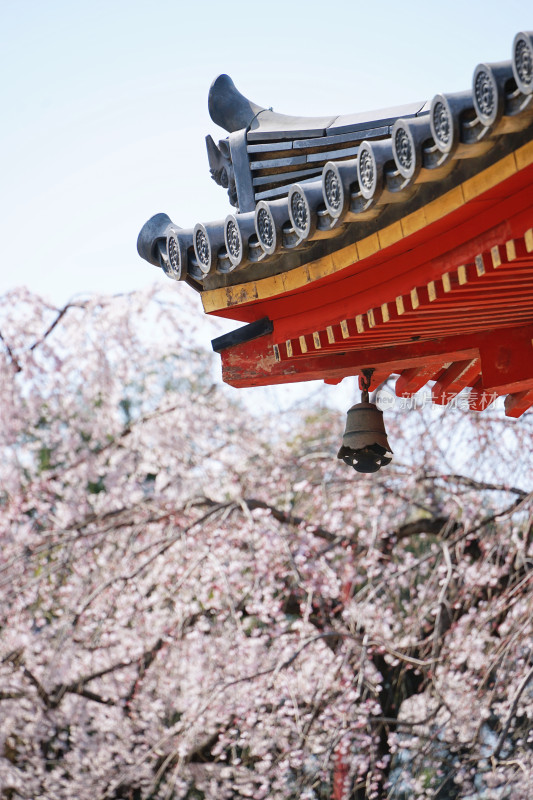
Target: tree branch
11 355
145 662
431 525
292 519
512 712
60 314
472 483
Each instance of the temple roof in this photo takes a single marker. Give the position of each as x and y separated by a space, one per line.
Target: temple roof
399 240
307 187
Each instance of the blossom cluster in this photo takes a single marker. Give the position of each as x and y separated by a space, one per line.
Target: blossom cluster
200 601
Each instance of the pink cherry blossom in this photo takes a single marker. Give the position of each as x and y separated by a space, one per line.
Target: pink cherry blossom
198 600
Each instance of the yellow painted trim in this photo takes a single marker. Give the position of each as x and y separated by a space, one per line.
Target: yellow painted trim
303 344
432 291
414 298
385 316
368 246
400 308
489 178
288 345
343 258
218 299
291 280
390 235
510 249
316 341
462 276
414 222
319 269
445 204
344 329
446 283
528 239
331 334
524 156
370 317
496 258
360 324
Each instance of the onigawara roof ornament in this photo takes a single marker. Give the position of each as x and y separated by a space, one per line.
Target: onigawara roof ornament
399 240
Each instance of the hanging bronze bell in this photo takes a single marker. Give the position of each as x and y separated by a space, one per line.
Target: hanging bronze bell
364 445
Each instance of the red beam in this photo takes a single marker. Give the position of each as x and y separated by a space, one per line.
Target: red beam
423 256
394 335
517 404
479 399
413 379
254 363
507 364
457 377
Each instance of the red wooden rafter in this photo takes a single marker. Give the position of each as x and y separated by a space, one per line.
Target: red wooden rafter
452 303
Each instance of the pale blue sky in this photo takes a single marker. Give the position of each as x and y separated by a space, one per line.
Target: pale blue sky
105 108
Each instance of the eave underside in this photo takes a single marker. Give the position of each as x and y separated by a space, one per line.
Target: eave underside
449 301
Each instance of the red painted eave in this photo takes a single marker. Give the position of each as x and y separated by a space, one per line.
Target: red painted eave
452 303
500 214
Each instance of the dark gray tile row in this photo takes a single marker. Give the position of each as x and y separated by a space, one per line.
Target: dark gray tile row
421 147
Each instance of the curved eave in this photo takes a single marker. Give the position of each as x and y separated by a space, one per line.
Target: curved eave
353 193
467 210
445 299
405 247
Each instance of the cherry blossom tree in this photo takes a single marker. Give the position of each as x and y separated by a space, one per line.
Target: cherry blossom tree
199 601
